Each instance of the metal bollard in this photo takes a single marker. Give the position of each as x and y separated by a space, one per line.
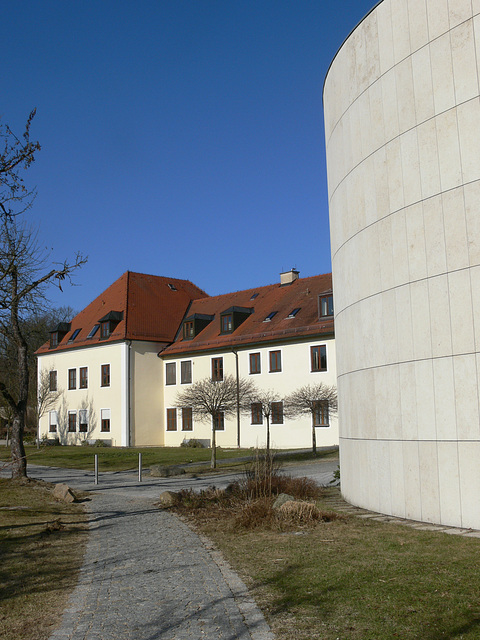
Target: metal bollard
96 468
139 467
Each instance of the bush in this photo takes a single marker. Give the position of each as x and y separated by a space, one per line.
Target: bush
193 443
100 443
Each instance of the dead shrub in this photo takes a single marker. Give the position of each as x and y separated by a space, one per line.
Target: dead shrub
297 512
254 514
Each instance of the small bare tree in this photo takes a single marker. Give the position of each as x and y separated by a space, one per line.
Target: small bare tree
318 400
46 396
264 398
214 400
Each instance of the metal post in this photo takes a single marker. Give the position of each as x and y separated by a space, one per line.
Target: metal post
96 468
139 467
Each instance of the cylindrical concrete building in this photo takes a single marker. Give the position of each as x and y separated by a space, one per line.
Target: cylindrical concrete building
402 121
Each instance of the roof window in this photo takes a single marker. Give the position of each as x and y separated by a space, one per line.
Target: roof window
255 295
93 331
172 287
293 313
270 316
74 335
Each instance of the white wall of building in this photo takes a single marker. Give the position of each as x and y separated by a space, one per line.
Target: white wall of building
402 121
296 372
94 398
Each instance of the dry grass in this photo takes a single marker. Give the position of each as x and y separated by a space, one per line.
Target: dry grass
41 549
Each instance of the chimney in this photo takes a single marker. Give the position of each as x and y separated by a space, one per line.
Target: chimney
287 277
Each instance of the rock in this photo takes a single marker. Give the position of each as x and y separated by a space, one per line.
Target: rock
165 470
167 498
282 499
64 493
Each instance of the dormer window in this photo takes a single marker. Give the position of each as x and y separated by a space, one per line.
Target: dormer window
232 318
105 332
57 335
194 324
226 322
109 323
325 306
270 316
294 312
188 330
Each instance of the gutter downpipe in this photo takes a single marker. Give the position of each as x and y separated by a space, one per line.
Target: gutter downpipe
238 397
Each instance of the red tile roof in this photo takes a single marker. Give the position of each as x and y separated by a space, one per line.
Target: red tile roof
303 293
153 308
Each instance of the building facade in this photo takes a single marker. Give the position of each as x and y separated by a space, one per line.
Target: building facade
402 122
119 365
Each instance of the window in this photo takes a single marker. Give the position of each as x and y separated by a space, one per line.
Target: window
186 372
52 421
72 421
72 378
320 414
188 330
105 420
277 412
105 332
187 419
172 287
257 413
171 373
217 369
171 419
74 335
255 295
83 421
318 356
54 339
270 316
325 304
219 422
294 312
105 375
255 363
275 361
83 377
226 323
93 331
52 381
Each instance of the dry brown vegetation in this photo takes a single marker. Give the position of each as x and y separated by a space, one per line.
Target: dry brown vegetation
41 550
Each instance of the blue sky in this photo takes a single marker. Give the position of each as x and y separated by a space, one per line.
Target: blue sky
181 138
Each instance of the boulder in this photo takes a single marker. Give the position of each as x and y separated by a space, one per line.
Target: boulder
167 498
165 470
63 493
282 499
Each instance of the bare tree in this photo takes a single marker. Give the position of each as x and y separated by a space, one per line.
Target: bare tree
24 275
215 400
263 399
318 400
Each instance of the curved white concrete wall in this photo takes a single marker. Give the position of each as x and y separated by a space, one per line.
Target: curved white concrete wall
402 120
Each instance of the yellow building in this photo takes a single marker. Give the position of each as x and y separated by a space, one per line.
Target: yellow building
120 363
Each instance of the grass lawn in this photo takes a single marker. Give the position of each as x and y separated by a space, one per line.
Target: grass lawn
352 578
123 458
118 458
41 549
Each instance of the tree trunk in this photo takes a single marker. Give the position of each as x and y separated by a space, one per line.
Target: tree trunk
213 463
19 459
268 433
314 440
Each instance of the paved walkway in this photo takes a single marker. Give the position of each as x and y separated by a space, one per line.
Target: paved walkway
147 576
